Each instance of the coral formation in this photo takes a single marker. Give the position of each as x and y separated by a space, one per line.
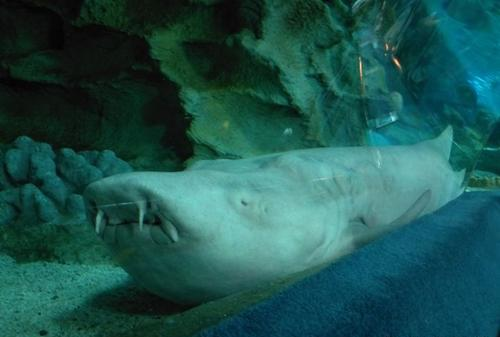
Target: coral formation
40 185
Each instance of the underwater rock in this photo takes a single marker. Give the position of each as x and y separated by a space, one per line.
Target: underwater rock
40 185
4 180
280 59
109 164
30 197
56 189
42 167
27 144
75 169
75 205
71 82
243 126
25 30
125 75
90 156
17 164
10 196
29 160
8 213
36 206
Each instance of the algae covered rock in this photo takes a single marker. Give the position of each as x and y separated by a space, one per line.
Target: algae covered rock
94 74
294 62
239 125
161 82
84 86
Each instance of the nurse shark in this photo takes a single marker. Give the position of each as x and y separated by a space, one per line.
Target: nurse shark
224 226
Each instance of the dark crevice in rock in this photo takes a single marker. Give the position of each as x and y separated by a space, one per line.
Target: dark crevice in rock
234 16
84 87
167 111
67 9
90 54
28 29
56 118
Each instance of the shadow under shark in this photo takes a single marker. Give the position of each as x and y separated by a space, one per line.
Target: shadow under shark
225 226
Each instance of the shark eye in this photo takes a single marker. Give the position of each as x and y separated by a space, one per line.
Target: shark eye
244 202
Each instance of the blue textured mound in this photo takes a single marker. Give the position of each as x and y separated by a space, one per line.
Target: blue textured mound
39 185
438 276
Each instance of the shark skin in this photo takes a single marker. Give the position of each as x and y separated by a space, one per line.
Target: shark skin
224 226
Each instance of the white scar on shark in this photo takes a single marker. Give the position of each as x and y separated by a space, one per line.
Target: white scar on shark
223 226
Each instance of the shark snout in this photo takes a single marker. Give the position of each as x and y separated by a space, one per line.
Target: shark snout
124 203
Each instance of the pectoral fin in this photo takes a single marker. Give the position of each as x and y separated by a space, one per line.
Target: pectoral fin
414 211
361 232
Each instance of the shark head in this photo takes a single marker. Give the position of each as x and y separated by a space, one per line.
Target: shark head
197 235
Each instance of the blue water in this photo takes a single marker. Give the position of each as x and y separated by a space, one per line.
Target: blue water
477 48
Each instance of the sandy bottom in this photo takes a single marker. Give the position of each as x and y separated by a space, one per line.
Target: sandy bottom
54 299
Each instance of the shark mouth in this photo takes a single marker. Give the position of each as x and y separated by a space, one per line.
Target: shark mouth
142 217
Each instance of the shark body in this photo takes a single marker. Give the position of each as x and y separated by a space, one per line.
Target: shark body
224 226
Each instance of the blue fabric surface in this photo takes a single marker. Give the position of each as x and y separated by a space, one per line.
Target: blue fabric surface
438 276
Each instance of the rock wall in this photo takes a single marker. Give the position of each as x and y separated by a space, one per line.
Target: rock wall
160 82
163 80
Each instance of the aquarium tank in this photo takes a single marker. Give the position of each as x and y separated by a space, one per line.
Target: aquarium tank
165 165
